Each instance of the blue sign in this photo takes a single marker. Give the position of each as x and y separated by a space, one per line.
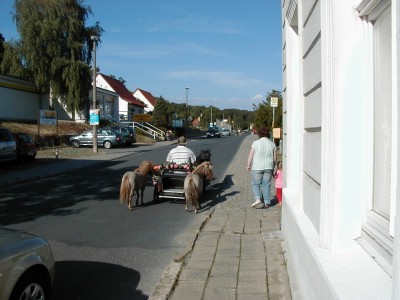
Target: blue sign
177 123
94 117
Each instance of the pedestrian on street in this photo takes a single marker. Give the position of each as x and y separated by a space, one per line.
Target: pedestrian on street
279 182
261 163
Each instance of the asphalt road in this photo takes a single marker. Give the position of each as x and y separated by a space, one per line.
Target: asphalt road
103 250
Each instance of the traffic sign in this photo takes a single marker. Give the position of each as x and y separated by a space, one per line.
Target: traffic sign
274 101
142 117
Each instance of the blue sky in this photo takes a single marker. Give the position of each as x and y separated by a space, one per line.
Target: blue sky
227 52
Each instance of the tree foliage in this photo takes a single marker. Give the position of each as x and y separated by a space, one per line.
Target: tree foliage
264 114
160 116
165 111
2 40
55 48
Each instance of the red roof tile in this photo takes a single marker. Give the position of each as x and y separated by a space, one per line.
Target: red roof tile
121 90
148 96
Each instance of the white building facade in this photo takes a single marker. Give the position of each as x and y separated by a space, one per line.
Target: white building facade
147 98
340 217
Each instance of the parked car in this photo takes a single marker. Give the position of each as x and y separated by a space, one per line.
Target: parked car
26 266
213 133
105 138
128 133
26 148
8 146
127 124
225 132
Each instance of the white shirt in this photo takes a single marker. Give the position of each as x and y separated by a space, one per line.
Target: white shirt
181 155
264 154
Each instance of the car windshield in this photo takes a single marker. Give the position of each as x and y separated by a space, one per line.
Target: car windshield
5 136
25 138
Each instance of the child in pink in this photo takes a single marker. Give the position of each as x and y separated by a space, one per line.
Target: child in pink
279 182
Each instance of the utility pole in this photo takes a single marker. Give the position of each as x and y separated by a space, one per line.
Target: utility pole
186 117
211 123
95 38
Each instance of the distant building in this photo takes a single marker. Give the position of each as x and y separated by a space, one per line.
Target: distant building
128 105
341 150
147 98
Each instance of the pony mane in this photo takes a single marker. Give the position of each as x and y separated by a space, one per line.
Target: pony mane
203 169
145 167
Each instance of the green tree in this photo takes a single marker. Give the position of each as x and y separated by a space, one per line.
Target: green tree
11 64
1 47
161 116
56 47
264 113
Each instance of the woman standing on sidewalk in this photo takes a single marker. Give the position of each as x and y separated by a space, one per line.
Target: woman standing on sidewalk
261 162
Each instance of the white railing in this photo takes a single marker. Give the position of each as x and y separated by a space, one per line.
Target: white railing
150 130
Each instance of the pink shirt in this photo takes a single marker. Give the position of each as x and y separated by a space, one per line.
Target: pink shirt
279 179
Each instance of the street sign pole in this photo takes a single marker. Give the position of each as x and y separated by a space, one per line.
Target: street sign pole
273 104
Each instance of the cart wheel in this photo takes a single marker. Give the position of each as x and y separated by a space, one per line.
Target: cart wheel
156 196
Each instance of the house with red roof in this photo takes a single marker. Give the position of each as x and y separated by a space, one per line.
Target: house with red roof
128 105
147 98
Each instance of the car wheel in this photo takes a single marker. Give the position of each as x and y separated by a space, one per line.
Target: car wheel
107 144
128 143
31 285
75 143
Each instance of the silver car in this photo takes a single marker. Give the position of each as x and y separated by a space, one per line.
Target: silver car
8 147
225 132
105 138
26 266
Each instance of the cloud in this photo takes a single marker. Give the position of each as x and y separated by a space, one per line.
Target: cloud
156 51
227 79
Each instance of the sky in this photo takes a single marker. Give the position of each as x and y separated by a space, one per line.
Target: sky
227 52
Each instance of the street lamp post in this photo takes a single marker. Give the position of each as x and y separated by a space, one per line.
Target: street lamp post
94 38
211 122
186 116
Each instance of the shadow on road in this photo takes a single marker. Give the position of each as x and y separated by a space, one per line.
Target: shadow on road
82 280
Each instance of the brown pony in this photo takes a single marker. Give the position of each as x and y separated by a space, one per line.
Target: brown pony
133 181
193 184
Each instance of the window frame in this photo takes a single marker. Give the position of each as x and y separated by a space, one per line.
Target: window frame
377 232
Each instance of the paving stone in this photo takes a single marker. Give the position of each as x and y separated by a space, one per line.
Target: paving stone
190 286
198 264
203 254
252 287
186 296
279 292
278 277
222 270
252 297
193 275
222 282
252 264
251 275
275 258
219 294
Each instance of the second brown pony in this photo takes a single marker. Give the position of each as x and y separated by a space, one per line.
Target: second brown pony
134 181
193 184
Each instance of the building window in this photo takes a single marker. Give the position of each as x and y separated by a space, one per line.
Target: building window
377 235
382 56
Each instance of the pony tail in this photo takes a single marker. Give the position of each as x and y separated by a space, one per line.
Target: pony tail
193 193
124 191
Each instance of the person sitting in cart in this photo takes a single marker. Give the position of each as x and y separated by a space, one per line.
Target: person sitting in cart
181 154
